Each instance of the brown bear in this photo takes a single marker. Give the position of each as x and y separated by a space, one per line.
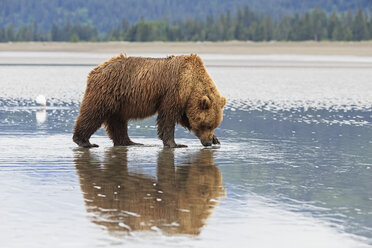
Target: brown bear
178 88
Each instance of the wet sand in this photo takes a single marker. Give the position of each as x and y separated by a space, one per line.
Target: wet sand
214 54
230 47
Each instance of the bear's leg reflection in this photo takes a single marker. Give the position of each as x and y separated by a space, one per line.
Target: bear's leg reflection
177 202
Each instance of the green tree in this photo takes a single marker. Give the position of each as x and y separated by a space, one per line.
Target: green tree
359 27
348 35
338 32
332 25
320 22
283 29
74 38
10 33
267 28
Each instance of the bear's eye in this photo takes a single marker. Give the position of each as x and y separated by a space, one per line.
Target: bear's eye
203 127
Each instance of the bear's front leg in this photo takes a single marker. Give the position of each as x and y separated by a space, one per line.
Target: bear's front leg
166 134
168 138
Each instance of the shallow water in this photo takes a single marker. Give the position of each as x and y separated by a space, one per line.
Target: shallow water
294 168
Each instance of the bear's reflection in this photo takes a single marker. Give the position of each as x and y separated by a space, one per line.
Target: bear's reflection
179 201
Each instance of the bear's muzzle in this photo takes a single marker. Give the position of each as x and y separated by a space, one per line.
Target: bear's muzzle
206 142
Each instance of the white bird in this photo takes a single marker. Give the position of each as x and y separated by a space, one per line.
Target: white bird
40 99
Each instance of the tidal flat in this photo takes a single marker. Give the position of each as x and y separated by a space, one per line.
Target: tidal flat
293 169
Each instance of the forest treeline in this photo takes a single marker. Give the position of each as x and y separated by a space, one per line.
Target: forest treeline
105 15
245 24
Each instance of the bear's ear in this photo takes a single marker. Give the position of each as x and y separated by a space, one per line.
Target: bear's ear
223 101
205 102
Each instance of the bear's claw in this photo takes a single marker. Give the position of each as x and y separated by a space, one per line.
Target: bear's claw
175 146
88 145
180 146
130 143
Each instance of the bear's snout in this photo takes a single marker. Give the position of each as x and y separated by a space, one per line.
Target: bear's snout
206 142
206 138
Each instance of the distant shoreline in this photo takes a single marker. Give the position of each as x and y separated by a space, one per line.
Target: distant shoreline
230 47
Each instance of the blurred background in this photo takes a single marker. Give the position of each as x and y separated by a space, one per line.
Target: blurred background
177 20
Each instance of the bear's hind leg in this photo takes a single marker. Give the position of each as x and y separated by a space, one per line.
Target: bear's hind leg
117 130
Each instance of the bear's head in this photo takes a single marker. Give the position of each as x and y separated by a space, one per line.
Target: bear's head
204 115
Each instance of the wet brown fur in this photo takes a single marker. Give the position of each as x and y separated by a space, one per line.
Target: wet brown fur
178 88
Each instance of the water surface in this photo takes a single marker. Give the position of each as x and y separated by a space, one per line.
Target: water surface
294 168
